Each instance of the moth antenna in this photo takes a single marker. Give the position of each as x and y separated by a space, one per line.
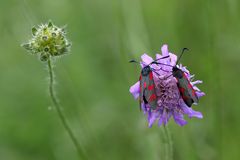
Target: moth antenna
168 76
162 64
133 61
155 61
159 59
181 54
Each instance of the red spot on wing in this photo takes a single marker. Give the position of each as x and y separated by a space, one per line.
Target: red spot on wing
182 93
145 85
189 86
152 97
181 90
151 87
194 93
140 78
184 75
150 76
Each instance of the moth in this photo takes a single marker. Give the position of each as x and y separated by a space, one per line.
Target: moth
187 93
185 88
147 86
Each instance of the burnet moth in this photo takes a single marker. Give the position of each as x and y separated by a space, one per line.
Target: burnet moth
147 86
185 88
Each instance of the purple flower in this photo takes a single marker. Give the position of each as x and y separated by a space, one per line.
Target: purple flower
170 103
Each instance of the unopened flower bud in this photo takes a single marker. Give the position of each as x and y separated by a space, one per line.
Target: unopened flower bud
48 41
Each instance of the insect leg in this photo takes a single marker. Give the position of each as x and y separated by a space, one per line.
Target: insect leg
155 72
168 76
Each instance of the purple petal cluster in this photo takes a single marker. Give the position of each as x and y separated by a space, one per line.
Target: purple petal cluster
170 103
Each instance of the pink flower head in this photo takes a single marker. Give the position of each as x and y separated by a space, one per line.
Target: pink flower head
169 101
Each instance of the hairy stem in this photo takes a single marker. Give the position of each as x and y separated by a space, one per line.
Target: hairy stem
61 115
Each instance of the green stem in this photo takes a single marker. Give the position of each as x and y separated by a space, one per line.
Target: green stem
164 151
167 151
60 113
169 141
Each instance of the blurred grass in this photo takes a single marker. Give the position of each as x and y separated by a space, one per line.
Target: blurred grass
93 81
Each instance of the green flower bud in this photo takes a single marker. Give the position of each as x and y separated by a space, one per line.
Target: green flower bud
34 31
48 41
44 57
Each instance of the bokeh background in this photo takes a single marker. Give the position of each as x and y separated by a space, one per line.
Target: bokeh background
93 81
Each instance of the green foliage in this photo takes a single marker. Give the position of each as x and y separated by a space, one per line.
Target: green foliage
93 82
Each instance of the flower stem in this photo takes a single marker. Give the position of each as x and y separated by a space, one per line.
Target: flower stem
61 115
170 143
167 151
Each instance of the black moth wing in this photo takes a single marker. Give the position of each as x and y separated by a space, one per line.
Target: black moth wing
147 91
186 90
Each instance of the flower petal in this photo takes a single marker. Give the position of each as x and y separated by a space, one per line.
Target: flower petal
179 119
144 108
158 56
173 59
152 118
164 117
184 69
196 82
146 59
163 61
164 50
200 94
196 88
191 113
135 90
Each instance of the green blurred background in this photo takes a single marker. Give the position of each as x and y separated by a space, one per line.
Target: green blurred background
93 81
